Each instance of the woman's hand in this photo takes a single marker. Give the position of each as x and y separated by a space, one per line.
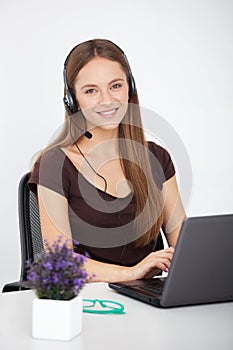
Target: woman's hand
152 264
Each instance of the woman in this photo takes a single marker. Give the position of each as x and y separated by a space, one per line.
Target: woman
100 182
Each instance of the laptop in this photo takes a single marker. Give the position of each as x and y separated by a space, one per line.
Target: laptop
201 270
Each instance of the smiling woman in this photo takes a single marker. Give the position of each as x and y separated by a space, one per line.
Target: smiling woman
112 190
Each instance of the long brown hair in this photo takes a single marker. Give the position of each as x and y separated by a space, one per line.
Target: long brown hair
134 160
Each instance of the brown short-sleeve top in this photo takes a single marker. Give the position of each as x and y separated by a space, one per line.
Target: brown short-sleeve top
103 224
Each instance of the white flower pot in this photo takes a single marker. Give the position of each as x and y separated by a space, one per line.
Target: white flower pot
56 319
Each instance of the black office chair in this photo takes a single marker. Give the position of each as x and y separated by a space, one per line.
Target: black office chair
30 231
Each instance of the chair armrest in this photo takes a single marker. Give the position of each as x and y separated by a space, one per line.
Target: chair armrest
13 287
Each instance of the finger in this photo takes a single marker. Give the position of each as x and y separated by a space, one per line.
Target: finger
163 267
164 264
170 250
162 254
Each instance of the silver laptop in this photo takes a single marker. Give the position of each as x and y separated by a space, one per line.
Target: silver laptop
201 270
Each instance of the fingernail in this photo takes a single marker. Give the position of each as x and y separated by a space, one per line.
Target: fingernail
166 269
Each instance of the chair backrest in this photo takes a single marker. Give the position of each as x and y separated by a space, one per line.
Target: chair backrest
29 224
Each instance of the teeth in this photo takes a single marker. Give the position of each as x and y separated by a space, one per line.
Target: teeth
108 112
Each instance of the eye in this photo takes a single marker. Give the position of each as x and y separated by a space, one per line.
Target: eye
90 91
116 86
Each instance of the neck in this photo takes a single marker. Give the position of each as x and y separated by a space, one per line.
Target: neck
104 139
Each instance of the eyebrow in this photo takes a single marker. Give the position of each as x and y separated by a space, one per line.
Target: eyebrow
94 85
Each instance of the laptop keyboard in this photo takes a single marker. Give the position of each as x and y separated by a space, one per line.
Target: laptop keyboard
155 287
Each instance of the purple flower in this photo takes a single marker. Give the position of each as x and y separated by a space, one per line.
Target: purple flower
77 282
55 279
58 273
60 265
47 265
32 276
80 259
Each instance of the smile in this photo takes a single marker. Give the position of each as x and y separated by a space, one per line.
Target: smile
108 114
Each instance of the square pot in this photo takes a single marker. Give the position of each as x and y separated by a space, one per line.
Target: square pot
57 319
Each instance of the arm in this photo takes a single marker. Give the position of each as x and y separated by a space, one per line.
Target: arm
174 213
146 268
55 221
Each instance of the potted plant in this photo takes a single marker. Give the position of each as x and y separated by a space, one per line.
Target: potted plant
57 277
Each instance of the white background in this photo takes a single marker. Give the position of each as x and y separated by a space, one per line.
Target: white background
181 55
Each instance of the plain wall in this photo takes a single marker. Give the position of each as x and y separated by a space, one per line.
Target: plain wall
181 55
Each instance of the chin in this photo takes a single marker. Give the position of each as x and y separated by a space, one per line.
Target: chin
103 125
108 126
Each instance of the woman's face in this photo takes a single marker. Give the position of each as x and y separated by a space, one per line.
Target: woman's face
101 90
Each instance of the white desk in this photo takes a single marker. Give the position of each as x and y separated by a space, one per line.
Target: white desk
206 327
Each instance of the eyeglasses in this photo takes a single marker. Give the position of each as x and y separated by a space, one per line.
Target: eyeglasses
97 306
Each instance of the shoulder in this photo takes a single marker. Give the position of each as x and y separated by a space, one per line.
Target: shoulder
54 155
49 169
50 162
164 159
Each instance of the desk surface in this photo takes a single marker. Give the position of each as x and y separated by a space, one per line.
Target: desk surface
142 327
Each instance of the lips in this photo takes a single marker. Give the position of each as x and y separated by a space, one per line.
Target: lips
108 113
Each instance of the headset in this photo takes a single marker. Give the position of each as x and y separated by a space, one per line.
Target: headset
70 101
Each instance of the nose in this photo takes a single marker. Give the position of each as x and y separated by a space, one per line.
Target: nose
106 97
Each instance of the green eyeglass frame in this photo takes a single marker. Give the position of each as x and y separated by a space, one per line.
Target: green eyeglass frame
108 307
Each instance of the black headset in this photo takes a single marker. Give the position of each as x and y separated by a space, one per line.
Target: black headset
70 101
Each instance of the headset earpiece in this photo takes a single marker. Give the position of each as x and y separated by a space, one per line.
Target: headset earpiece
132 84
69 98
